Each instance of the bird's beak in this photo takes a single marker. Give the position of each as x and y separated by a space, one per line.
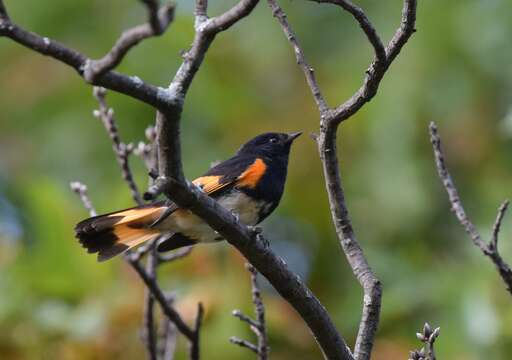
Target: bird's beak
293 136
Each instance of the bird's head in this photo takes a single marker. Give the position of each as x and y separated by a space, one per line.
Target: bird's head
270 144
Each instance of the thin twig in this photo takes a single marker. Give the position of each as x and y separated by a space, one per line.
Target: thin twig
490 250
309 72
428 337
121 150
493 245
160 297
174 255
149 308
195 342
365 24
158 22
243 343
81 190
259 308
257 326
242 317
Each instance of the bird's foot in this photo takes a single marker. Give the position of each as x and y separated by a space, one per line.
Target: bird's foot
257 232
235 214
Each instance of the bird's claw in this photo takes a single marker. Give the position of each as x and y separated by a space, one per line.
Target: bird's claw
257 231
235 214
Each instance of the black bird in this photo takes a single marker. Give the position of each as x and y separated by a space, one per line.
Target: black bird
250 184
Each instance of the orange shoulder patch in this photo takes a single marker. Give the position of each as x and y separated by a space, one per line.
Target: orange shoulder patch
253 174
209 184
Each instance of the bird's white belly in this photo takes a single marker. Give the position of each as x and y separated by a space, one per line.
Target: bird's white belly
185 222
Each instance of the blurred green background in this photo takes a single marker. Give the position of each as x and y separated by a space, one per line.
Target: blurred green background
56 302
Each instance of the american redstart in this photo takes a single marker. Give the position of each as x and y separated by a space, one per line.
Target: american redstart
250 184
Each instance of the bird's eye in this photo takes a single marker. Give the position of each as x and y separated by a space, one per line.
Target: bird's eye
273 140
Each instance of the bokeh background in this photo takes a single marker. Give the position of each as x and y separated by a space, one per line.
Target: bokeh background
56 302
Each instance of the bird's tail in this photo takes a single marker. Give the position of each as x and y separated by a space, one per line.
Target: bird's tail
112 234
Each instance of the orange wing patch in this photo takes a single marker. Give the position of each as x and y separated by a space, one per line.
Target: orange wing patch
250 177
210 184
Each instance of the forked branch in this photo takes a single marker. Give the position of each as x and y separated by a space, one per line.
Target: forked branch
330 118
159 20
257 326
488 249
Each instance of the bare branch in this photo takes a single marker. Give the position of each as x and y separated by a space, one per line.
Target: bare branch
251 244
194 343
159 20
121 150
428 337
261 331
404 32
490 250
174 255
309 72
493 245
242 317
329 121
230 17
244 343
81 191
160 297
131 86
257 326
366 25
354 253
378 67
149 307
168 127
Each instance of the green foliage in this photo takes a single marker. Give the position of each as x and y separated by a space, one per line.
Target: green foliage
57 302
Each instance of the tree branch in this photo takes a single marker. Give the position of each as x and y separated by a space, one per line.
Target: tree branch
121 150
159 20
128 85
194 343
251 244
365 24
490 250
257 326
308 70
168 128
149 307
326 140
160 297
170 102
81 190
243 343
